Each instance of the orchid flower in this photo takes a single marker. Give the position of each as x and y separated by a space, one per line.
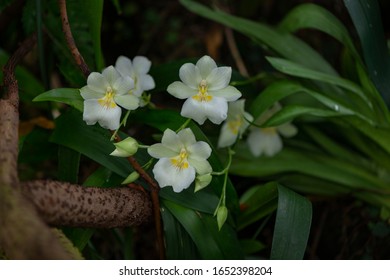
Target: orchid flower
206 90
102 95
181 159
137 70
236 123
267 140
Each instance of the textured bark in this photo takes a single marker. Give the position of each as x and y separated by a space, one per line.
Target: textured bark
65 204
23 235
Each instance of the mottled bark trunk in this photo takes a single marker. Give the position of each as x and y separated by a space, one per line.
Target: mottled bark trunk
65 204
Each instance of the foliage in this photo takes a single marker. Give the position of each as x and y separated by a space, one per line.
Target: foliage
342 147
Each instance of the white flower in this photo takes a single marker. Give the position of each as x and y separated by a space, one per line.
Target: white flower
206 88
235 124
102 95
138 71
181 157
267 140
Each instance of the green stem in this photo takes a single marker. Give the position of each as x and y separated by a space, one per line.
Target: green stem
184 125
225 172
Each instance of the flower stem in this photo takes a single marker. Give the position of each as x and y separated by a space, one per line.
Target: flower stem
184 125
225 172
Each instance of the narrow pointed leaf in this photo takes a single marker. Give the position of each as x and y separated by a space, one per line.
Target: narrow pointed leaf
292 226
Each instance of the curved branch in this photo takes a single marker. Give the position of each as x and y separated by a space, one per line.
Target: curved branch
78 58
23 235
65 204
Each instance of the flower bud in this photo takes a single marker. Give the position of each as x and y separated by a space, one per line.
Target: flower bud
125 148
131 178
222 214
202 181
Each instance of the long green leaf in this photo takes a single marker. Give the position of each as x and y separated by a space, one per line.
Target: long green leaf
91 141
70 96
292 226
92 11
179 245
309 163
316 17
203 229
366 17
282 43
290 112
296 70
256 203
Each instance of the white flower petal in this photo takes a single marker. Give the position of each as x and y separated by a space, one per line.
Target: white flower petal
236 108
161 151
215 110
88 93
128 101
189 74
229 93
111 75
206 64
264 143
201 166
171 139
124 66
226 137
219 78
141 64
168 175
97 82
186 137
193 109
180 90
199 150
107 117
287 130
123 85
146 82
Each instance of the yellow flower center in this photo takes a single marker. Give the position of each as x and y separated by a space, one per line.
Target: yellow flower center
235 125
202 95
180 161
108 100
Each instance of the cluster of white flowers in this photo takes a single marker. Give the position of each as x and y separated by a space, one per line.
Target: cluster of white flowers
122 85
208 95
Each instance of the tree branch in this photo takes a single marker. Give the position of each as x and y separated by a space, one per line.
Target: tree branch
23 235
78 58
65 204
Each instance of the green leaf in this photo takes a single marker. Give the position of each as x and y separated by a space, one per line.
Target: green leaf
92 13
296 70
290 112
308 162
68 164
316 17
366 17
251 246
292 226
203 229
179 245
282 43
256 203
70 96
92 141
272 94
